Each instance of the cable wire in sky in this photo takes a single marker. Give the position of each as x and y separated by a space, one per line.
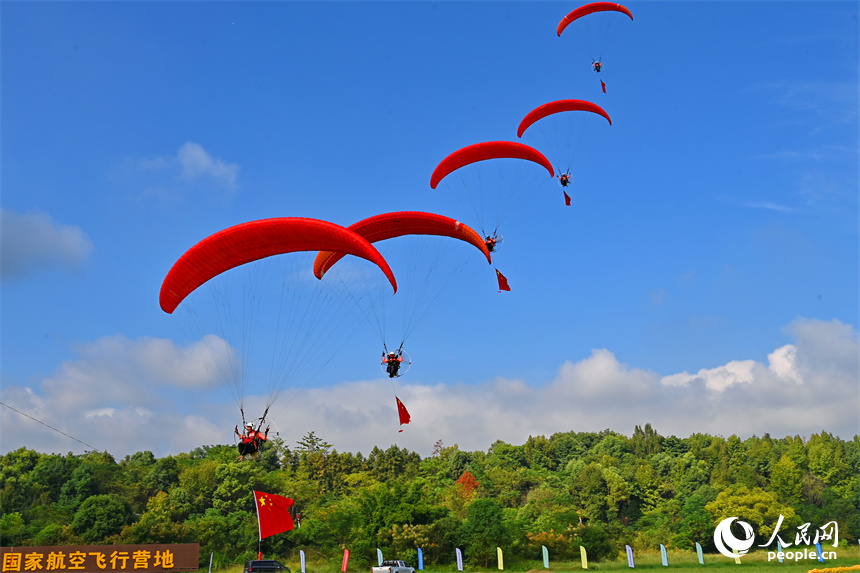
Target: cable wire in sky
48 426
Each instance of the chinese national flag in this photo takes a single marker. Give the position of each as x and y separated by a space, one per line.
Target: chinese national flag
603 85
405 418
503 282
566 199
273 513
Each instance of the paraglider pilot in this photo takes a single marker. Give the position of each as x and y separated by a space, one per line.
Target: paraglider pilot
490 241
564 179
251 440
597 65
393 359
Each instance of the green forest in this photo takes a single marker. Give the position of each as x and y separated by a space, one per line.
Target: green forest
599 490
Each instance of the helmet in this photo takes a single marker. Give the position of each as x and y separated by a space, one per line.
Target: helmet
391 353
249 425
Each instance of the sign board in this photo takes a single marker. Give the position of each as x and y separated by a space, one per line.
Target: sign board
155 558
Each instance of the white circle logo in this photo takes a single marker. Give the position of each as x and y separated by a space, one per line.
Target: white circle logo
723 536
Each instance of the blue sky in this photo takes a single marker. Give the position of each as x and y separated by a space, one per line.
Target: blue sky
705 278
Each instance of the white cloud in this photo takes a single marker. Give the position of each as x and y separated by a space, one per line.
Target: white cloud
763 204
831 101
191 170
116 372
196 163
192 366
718 379
783 363
767 205
658 297
124 394
30 242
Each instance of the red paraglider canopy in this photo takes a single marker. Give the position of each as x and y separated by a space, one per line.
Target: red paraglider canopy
590 9
390 225
255 240
487 150
558 107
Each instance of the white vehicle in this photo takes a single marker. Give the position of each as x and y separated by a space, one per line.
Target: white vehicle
393 566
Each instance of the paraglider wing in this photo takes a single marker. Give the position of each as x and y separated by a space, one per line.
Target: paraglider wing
255 240
487 150
591 9
390 225
559 107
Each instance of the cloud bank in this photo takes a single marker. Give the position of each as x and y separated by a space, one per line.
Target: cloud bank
31 242
148 394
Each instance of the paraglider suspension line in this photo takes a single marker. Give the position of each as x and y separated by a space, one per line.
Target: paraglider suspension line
95 449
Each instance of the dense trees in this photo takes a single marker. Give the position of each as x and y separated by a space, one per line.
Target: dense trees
600 490
100 517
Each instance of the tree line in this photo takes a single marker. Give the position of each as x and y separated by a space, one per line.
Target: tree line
601 490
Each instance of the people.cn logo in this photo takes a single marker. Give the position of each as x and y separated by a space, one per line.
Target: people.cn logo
727 543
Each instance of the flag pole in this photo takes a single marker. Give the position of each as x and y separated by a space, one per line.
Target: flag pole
259 529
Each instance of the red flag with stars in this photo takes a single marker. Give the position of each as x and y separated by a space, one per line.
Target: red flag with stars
566 199
603 85
273 513
405 418
503 282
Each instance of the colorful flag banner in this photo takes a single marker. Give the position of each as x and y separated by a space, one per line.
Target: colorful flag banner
779 549
302 559
379 551
405 418
273 513
663 555
584 556
630 557
819 552
699 553
420 560
500 558
345 560
503 282
545 552
459 559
